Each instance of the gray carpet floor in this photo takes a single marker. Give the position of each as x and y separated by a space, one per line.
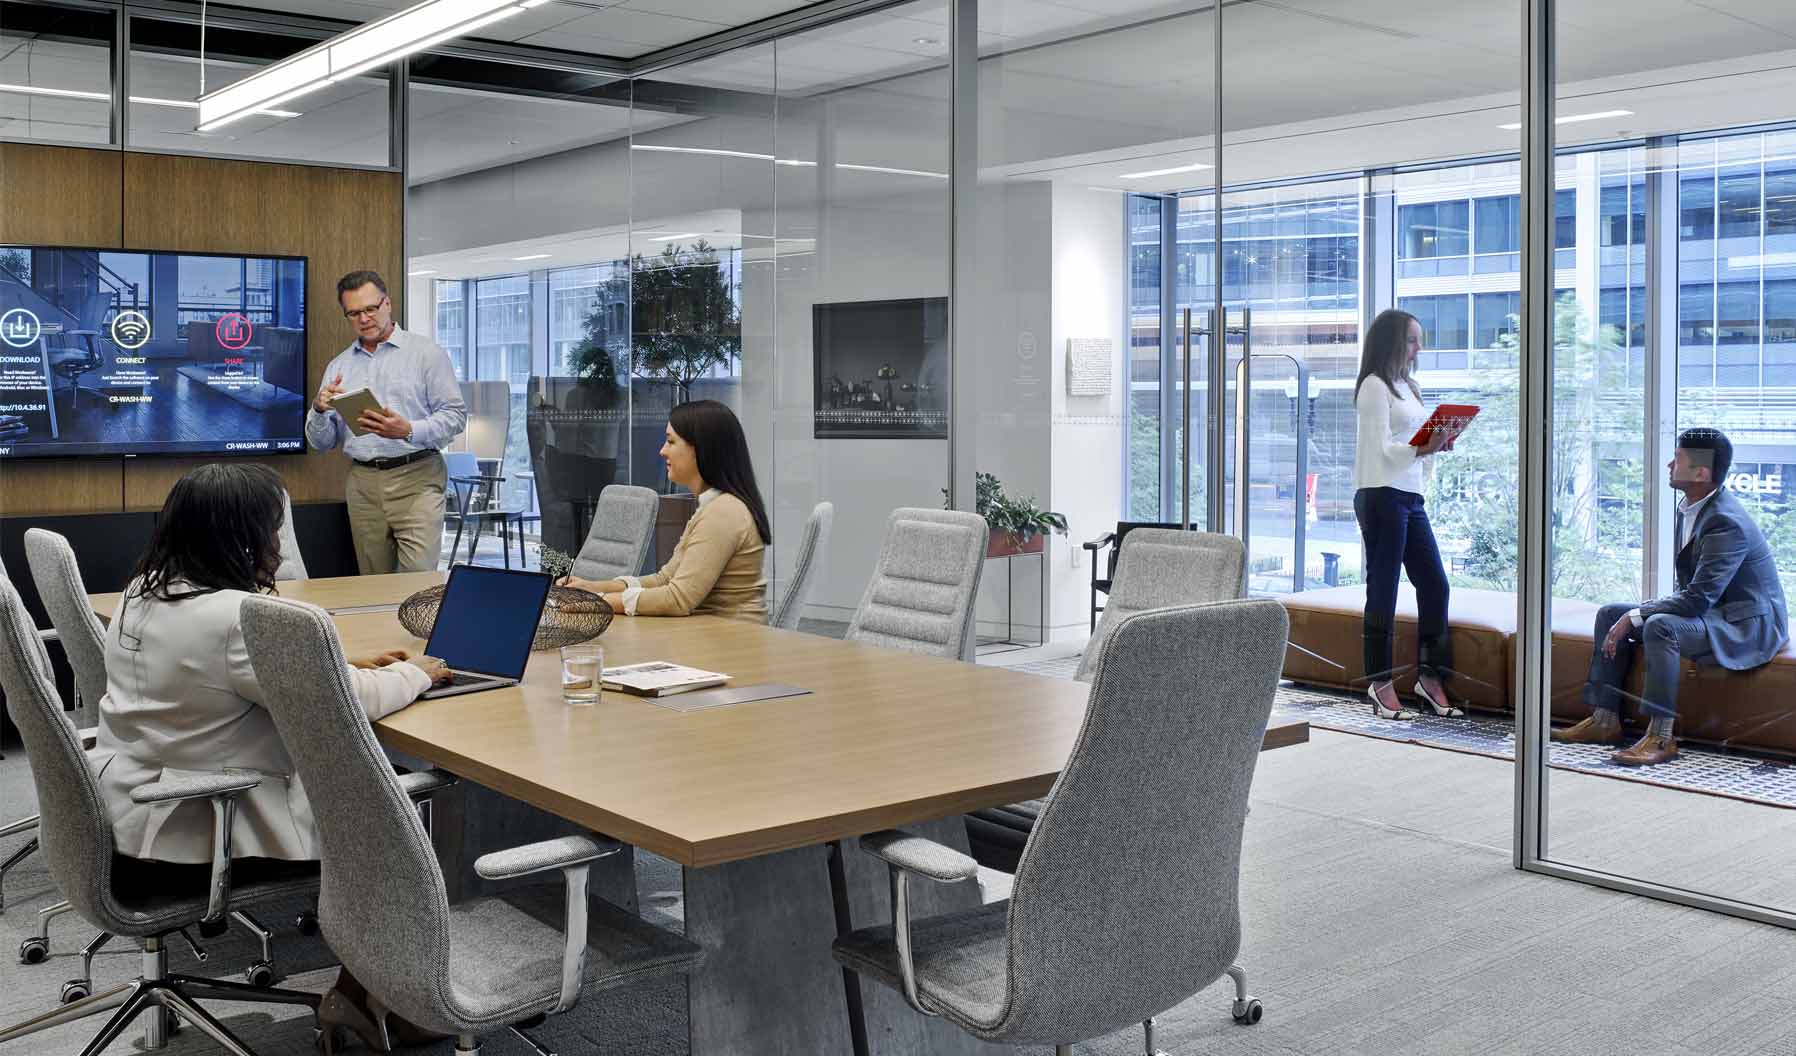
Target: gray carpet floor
1380 913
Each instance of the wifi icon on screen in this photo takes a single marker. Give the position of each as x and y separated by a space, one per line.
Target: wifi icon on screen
130 330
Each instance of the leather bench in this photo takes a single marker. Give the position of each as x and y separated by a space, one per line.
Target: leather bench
1741 709
1328 622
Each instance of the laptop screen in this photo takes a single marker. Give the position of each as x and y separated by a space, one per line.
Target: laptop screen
487 620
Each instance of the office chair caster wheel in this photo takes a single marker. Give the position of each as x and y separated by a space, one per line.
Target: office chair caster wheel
75 990
1248 1012
260 974
328 1040
307 923
34 951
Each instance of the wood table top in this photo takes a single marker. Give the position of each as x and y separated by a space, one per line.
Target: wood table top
885 738
333 595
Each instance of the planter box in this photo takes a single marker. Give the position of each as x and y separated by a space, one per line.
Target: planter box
1007 544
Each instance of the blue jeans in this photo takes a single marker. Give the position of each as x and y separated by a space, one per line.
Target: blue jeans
1666 639
1397 535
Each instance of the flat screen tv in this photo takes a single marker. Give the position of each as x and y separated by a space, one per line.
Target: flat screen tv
881 369
115 352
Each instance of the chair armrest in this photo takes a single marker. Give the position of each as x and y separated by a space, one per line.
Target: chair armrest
89 736
906 856
48 634
1100 542
22 825
560 853
574 856
422 783
920 857
477 479
196 786
222 789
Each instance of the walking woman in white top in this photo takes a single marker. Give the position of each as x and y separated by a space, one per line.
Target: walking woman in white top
1388 477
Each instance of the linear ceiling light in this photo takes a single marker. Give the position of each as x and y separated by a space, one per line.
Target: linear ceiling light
392 38
719 152
1572 119
141 100
1196 166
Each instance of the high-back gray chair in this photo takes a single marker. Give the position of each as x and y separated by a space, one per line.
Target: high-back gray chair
1126 901
1160 567
382 903
59 586
921 598
804 568
623 528
293 564
78 847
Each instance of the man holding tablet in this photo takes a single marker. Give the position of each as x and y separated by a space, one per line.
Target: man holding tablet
405 405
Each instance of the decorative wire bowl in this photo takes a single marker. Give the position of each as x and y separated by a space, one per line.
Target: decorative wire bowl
569 617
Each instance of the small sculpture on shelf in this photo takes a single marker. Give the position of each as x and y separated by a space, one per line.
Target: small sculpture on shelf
887 374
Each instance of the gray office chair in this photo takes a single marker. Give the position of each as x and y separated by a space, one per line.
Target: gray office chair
78 845
293 564
1126 901
28 953
382 902
1160 567
623 529
921 598
804 567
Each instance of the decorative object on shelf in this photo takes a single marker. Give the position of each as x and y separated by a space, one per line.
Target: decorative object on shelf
569 617
1018 526
887 374
1088 366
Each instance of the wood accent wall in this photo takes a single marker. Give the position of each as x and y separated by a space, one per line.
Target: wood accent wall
342 219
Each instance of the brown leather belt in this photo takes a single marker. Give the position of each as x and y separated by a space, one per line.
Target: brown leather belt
396 461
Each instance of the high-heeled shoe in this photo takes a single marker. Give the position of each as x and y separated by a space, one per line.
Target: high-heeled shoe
1383 712
1443 708
337 1013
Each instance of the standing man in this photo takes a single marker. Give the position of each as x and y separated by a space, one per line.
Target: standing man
396 482
1728 608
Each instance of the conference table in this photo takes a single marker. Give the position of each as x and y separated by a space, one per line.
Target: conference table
760 803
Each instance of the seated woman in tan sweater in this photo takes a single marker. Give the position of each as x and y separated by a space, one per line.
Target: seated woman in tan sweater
716 568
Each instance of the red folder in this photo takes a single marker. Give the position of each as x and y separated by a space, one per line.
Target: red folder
1452 417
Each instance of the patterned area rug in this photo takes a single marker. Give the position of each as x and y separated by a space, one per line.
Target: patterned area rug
1697 770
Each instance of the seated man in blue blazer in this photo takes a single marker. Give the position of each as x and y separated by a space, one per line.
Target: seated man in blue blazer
1728 608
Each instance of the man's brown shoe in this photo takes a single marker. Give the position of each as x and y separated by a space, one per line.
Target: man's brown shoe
1589 732
1648 751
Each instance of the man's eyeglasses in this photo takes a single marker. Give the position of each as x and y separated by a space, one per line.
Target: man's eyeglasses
364 313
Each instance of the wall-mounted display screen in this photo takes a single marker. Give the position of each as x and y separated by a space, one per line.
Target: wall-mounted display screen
114 352
881 369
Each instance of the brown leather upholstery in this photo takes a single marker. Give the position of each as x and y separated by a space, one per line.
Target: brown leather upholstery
1742 709
1329 621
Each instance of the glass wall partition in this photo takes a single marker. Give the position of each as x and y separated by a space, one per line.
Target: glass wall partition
1668 678
56 73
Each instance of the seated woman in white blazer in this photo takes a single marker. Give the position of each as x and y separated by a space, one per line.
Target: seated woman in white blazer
181 696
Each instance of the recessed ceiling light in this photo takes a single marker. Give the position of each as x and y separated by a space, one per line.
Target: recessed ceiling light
1572 119
925 40
1196 166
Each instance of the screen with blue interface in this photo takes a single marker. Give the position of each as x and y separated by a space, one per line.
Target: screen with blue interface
487 620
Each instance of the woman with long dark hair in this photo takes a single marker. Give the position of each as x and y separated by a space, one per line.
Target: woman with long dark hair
1389 474
181 696
716 568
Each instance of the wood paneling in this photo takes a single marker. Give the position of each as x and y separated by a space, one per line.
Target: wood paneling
341 219
59 196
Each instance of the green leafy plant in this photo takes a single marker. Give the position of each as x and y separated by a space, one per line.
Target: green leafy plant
1022 518
684 321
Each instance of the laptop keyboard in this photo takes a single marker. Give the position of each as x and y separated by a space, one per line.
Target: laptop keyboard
462 678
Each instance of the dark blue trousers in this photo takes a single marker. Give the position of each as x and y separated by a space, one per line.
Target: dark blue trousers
1395 528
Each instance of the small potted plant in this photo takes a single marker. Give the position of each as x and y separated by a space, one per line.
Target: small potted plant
1017 526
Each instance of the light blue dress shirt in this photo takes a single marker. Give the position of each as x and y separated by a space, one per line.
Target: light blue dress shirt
409 374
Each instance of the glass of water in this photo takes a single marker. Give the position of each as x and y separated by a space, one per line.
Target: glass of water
581 669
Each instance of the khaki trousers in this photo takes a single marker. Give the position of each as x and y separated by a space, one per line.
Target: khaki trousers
396 516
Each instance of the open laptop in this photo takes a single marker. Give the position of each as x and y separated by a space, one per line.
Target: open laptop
484 627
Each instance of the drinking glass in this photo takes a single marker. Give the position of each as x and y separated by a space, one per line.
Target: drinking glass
581 669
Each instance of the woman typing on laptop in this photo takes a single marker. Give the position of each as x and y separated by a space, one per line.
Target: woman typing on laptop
716 568
181 694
